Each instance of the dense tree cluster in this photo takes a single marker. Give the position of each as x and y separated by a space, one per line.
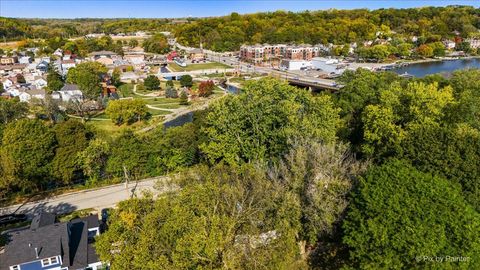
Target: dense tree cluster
13 28
399 214
81 46
332 26
88 76
151 82
37 155
432 122
257 125
387 178
127 111
156 44
375 176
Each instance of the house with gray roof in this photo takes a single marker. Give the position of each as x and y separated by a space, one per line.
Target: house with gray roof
51 245
69 92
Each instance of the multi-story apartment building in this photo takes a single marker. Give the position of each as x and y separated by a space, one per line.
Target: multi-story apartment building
260 53
253 54
8 60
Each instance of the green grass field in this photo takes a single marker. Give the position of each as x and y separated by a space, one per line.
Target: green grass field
192 67
158 112
167 106
160 100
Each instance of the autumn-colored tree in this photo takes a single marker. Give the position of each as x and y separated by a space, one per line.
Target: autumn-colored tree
205 88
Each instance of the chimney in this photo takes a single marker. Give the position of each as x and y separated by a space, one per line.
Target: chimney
36 253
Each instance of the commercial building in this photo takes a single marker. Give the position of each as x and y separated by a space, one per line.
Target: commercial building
288 64
327 65
8 60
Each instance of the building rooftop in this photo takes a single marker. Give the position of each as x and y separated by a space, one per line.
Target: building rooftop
196 50
41 220
98 53
45 239
70 87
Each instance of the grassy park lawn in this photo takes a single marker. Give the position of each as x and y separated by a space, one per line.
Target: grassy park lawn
166 106
161 100
201 66
158 112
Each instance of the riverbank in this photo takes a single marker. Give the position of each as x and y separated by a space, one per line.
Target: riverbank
401 63
440 66
429 60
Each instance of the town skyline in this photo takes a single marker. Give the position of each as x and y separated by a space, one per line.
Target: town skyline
188 8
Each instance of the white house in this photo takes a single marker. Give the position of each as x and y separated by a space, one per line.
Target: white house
26 94
66 65
7 83
69 92
449 44
58 52
31 67
25 60
13 90
30 77
40 82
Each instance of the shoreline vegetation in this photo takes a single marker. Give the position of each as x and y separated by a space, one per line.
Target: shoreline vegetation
401 63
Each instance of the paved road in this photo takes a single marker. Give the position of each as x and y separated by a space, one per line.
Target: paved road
95 198
247 67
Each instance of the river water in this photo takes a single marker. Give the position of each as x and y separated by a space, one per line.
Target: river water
180 120
443 67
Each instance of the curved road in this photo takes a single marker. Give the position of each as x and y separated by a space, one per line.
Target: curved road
98 198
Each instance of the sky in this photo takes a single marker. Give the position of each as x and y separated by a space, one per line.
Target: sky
189 8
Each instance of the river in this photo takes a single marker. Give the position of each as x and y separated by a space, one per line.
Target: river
443 67
179 120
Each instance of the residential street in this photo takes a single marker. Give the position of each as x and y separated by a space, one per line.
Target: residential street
95 198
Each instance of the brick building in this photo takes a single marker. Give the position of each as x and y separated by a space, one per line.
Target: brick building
259 53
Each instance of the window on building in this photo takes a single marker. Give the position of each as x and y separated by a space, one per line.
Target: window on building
46 262
49 261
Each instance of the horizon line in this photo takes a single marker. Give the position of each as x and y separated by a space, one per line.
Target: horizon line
227 14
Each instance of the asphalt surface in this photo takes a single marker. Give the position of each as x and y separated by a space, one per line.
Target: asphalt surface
98 199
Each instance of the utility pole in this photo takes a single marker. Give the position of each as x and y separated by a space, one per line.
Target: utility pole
125 175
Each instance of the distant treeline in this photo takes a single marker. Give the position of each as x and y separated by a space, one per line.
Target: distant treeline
330 26
229 32
14 29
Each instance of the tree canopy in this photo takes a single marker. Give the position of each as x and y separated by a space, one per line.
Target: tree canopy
156 44
27 149
88 76
151 82
127 111
258 123
399 214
